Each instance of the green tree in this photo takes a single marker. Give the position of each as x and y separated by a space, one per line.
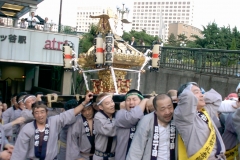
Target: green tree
172 41
233 44
182 38
87 40
148 39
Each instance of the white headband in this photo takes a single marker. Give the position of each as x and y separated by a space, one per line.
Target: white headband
103 99
28 98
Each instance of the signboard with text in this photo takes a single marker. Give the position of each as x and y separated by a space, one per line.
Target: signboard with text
33 46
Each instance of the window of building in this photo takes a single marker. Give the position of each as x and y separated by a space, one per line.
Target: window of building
150 3
179 3
145 24
188 11
183 6
146 10
166 10
150 6
149 24
166 7
142 3
183 10
162 2
146 6
150 10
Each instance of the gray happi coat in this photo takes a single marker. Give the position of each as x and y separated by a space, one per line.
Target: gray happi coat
10 115
24 147
141 147
124 121
104 129
77 141
236 124
5 128
229 136
193 130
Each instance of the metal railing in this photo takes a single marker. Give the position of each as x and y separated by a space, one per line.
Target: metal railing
211 61
54 29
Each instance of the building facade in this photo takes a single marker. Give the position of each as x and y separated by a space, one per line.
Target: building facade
84 20
155 16
187 30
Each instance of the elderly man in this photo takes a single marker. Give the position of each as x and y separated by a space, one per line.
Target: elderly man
193 118
38 139
126 121
156 134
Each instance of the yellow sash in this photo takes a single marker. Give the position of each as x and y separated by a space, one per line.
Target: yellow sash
207 148
232 153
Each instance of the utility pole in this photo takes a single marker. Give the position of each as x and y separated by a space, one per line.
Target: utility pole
60 17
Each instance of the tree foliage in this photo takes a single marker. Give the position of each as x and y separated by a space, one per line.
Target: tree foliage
148 39
215 37
87 41
172 41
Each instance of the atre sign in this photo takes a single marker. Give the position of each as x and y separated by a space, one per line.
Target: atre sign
39 47
54 45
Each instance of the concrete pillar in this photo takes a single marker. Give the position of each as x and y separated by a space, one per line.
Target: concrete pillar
36 76
66 83
29 78
15 22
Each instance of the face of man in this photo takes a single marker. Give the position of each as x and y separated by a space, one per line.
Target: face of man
28 103
4 106
133 38
198 94
164 110
132 101
88 112
40 114
14 101
108 106
32 14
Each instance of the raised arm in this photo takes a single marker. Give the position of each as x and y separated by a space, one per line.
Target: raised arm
186 109
128 119
213 101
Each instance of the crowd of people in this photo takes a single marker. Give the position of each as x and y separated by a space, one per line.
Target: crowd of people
32 22
183 124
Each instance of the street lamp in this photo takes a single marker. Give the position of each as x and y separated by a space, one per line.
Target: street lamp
182 44
121 12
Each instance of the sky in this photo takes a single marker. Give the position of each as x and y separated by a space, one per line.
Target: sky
223 12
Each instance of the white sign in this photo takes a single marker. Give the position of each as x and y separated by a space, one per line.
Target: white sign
33 46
